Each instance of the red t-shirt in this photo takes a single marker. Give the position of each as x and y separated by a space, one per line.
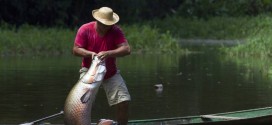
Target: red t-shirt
88 38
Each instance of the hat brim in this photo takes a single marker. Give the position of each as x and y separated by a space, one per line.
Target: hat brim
114 20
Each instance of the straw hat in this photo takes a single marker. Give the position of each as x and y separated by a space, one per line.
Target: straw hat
105 15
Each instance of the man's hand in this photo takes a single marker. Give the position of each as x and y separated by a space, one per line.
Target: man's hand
103 55
93 54
122 50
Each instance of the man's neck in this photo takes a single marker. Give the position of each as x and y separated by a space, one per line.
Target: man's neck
102 31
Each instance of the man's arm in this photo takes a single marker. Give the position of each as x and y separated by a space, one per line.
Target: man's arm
78 51
123 49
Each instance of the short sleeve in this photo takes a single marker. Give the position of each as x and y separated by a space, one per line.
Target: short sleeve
81 36
119 36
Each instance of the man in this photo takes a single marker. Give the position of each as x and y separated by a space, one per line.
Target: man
104 39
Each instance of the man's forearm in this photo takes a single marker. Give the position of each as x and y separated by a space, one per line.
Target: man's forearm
82 52
121 51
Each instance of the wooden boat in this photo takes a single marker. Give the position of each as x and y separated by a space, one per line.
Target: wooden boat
259 116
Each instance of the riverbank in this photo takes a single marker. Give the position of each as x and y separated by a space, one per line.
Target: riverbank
210 42
255 31
32 40
159 36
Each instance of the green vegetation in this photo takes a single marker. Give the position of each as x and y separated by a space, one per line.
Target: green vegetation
144 38
254 30
147 30
157 36
31 40
152 37
212 28
258 41
75 12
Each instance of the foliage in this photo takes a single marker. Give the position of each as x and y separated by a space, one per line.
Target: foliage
33 40
254 30
258 41
212 28
42 12
154 36
143 38
209 8
76 12
30 40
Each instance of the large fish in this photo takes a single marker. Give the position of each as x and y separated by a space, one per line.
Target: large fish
78 104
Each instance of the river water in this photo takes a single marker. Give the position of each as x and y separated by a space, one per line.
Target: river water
199 83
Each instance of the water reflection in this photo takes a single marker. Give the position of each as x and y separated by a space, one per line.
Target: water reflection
192 84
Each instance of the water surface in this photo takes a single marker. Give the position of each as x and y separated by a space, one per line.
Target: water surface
201 83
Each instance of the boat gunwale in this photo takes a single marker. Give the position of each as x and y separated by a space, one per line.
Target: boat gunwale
199 116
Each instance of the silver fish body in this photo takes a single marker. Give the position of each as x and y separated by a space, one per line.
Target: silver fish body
78 104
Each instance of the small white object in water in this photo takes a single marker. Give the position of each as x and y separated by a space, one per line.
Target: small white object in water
158 86
159 89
